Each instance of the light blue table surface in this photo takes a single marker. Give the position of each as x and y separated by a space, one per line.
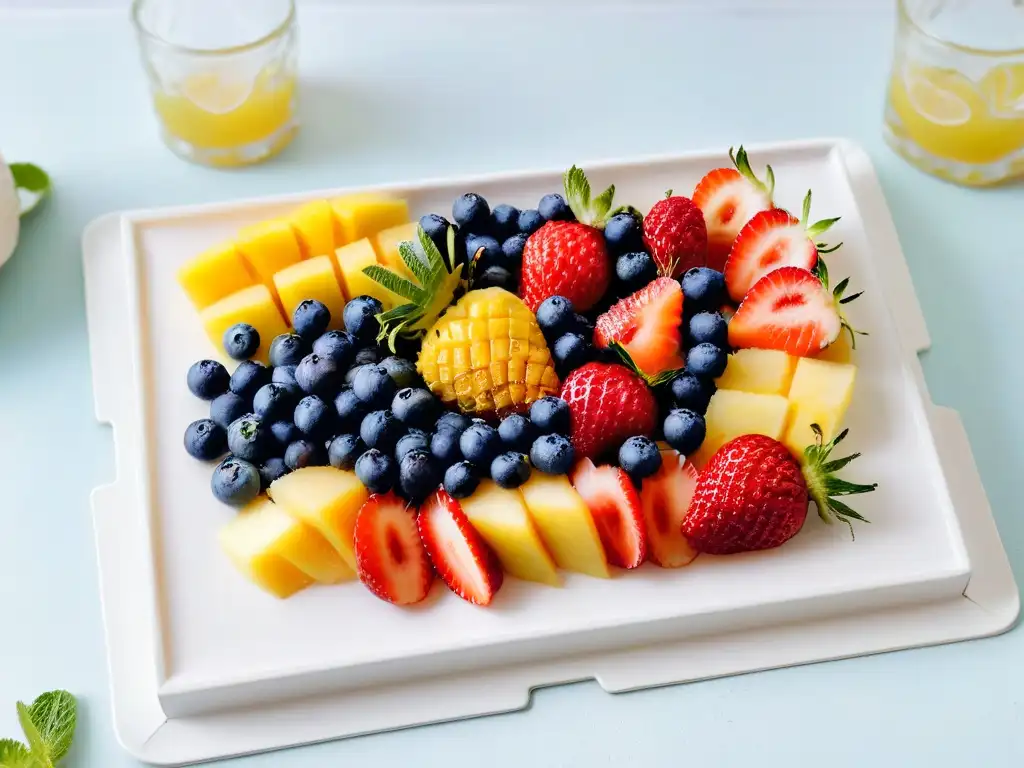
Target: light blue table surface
403 94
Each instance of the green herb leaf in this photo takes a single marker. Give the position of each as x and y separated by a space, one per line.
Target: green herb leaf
54 714
577 192
603 203
35 740
414 263
14 754
32 183
395 284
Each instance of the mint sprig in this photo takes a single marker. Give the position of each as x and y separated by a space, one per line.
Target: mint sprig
32 184
49 726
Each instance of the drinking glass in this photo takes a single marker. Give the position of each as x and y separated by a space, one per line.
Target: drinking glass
222 75
955 102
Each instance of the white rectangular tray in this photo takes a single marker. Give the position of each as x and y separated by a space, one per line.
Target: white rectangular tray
203 665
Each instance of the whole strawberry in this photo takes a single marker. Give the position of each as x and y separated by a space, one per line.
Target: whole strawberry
607 404
570 258
753 494
676 235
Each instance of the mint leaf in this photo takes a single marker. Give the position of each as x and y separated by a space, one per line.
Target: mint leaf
13 754
32 183
54 715
32 735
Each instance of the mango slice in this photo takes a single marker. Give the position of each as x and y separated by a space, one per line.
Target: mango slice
313 225
214 274
255 306
364 215
311 279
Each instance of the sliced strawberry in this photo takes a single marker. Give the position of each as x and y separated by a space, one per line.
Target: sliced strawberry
664 498
615 506
789 309
390 557
729 198
647 325
773 239
460 555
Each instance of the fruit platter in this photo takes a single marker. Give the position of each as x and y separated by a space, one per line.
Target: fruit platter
393 438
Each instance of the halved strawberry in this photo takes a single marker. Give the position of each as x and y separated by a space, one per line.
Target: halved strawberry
647 325
460 555
615 506
665 498
791 309
390 558
773 239
729 198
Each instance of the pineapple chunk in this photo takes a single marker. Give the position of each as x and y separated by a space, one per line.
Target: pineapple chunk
327 499
386 243
262 542
214 274
565 524
359 216
269 247
311 279
839 351
254 306
731 414
350 260
764 371
820 394
502 519
313 225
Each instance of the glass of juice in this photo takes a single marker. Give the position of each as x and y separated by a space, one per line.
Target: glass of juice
955 103
222 74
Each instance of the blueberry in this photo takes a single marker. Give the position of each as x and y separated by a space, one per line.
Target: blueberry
512 250
622 233
709 328
703 287
205 440
556 316
381 430
350 410
317 375
415 407
517 433
504 221
415 440
343 451
248 377
444 445
376 470
634 270
340 346
554 208
552 454
314 418
460 480
247 438
706 360
374 386
360 318
285 433
235 482
550 414
471 213
304 453
311 318
436 227
207 379
640 457
401 371
273 402
480 443
351 373
367 356
692 392
271 470
226 408
241 341
450 420
418 475
570 351
285 376
287 349
530 221
684 430
491 255
495 277
510 469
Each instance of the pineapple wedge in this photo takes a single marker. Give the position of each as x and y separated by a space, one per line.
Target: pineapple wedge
732 413
502 519
764 371
255 306
820 394
359 216
313 225
214 274
326 498
839 351
565 524
311 279
386 243
264 544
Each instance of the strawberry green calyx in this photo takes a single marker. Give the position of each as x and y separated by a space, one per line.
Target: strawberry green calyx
817 228
821 272
651 381
822 484
742 163
594 212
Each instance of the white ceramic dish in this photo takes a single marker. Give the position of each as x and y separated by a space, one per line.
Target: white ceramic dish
191 643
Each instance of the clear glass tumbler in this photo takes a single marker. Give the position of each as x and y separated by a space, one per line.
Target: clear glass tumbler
222 75
955 103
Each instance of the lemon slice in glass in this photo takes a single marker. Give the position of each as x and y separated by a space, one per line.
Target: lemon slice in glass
215 94
939 95
1003 86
